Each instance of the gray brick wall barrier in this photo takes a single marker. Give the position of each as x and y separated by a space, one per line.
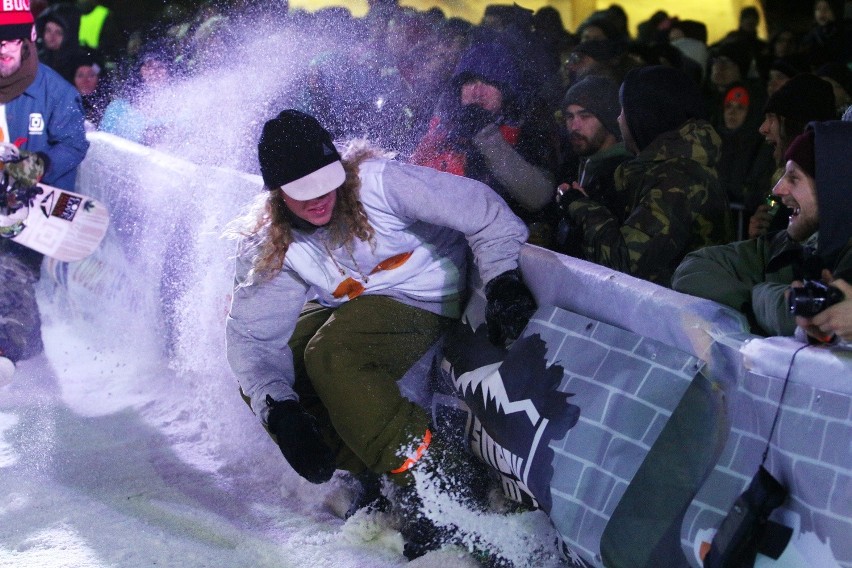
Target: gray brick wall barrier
811 451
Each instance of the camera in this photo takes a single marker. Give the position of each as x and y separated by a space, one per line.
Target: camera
747 529
812 298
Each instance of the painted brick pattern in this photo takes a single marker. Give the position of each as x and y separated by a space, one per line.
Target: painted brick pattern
626 386
811 454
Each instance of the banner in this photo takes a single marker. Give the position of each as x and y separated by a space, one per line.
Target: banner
608 432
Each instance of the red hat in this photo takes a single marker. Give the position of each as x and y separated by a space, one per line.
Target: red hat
801 151
737 95
16 19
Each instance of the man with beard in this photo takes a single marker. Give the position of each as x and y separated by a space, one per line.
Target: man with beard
43 113
668 197
590 109
755 276
42 138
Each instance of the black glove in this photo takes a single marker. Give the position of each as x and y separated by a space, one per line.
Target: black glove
569 238
566 197
469 120
510 307
300 440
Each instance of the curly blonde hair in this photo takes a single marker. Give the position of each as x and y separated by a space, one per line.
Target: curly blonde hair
266 227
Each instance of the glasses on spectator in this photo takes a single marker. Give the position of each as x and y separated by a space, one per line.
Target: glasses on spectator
11 43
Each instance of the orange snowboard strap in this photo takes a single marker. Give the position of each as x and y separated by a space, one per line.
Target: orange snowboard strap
421 449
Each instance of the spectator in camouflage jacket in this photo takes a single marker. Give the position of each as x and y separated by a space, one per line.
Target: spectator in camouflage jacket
674 202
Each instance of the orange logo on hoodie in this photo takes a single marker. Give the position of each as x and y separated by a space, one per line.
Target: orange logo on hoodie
352 288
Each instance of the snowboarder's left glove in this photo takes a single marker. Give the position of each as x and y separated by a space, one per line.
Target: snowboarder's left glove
300 440
510 305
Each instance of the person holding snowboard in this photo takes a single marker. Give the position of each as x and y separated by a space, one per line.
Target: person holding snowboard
41 126
347 272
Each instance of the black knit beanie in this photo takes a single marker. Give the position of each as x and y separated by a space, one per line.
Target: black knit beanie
598 95
297 155
803 98
657 99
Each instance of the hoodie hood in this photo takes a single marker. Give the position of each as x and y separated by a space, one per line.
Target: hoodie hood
63 16
492 62
833 170
658 99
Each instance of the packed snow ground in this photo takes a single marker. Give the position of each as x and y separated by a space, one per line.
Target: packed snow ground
108 458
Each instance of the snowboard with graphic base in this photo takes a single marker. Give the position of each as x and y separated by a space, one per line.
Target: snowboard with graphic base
61 224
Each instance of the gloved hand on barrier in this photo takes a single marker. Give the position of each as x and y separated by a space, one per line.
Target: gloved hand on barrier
510 305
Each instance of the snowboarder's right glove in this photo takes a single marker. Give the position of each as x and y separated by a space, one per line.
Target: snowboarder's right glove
510 305
300 440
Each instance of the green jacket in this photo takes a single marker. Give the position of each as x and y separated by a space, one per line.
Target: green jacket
674 204
750 276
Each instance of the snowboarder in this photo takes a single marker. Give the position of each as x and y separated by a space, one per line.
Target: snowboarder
349 270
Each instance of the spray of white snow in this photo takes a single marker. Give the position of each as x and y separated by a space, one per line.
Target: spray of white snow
126 443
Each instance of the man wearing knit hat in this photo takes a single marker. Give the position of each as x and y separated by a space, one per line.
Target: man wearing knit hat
669 196
754 276
598 57
729 63
41 121
800 100
590 109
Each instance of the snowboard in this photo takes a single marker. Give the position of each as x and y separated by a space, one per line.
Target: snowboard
61 224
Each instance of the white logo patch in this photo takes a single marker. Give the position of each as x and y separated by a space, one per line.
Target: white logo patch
36 123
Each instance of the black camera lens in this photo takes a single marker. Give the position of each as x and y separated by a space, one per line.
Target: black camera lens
812 298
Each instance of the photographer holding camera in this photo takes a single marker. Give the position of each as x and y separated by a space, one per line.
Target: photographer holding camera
797 277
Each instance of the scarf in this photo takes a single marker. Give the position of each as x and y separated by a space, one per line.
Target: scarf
12 86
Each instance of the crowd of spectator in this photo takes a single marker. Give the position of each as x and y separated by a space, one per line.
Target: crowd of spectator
674 143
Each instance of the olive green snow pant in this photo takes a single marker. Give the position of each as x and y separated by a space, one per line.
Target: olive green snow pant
348 361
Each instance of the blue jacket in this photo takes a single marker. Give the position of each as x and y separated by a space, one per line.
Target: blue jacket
48 117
